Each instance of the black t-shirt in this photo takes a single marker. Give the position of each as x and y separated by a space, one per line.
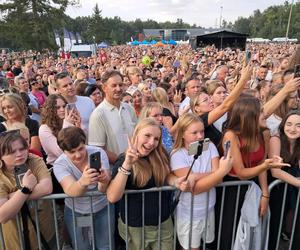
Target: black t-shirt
32 125
211 131
167 112
16 71
134 202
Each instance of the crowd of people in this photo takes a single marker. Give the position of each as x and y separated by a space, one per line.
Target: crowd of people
140 118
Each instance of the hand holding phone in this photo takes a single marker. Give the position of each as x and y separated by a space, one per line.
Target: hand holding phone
197 147
19 173
226 148
95 161
297 71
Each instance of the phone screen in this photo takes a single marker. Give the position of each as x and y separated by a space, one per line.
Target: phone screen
19 172
226 148
297 71
95 160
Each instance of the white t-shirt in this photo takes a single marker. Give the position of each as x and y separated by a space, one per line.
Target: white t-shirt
183 104
181 159
85 106
63 167
273 122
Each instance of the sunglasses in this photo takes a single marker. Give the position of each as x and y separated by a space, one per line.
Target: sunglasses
4 91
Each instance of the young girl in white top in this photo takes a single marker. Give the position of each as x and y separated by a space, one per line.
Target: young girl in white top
205 172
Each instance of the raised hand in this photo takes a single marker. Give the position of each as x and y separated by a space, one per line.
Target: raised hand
132 154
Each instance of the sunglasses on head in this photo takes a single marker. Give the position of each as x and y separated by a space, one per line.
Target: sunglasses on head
4 91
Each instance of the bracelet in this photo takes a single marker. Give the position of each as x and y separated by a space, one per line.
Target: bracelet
265 196
124 171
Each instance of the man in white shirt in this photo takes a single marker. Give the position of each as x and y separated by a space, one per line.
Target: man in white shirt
112 121
84 105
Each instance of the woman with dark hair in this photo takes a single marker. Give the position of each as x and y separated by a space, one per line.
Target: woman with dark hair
287 145
73 171
248 145
94 92
55 116
35 183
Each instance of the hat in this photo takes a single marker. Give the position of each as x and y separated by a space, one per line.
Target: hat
9 74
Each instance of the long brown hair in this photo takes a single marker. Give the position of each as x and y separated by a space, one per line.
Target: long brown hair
244 121
49 114
158 162
294 157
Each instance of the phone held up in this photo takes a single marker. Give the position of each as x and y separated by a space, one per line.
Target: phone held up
95 161
226 148
297 71
197 147
19 173
71 106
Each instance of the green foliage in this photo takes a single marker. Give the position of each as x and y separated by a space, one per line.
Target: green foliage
29 24
271 23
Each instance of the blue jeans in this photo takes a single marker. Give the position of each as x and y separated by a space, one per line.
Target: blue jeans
83 233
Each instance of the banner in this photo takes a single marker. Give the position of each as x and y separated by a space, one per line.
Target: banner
67 40
79 40
57 38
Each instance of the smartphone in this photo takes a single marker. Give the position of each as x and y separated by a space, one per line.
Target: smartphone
95 161
19 172
248 56
198 147
297 71
71 106
226 148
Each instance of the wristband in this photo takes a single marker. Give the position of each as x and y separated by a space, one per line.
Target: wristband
124 171
265 196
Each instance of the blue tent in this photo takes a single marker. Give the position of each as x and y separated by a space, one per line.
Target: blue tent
164 41
102 45
145 42
135 42
172 42
153 42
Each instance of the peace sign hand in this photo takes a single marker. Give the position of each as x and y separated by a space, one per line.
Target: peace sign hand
132 154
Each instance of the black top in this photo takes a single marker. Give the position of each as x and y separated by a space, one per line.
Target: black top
211 131
167 112
32 125
134 201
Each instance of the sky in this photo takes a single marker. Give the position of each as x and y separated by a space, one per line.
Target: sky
205 13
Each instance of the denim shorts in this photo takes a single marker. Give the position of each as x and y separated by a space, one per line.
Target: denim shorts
83 229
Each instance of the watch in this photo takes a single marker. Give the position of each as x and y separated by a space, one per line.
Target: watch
25 190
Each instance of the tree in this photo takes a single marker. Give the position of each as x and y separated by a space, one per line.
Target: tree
29 24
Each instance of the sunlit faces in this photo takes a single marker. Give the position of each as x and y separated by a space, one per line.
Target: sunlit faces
137 98
147 90
193 88
218 96
156 113
113 88
18 155
60 107
77 155
204 104
292 127
293 100
24 85
10 111
194 132
148 139
65 87
96 96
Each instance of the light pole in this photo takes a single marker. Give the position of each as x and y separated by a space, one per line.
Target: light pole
289 21
221 17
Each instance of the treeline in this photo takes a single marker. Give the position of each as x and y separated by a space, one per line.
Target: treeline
29 24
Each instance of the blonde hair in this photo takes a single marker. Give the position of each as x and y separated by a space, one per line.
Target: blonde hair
16 101
148 107
161 96
133 70
182 124
157 164
212 85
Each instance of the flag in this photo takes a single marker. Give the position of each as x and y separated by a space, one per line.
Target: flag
73 38
57 38
79 40
67 40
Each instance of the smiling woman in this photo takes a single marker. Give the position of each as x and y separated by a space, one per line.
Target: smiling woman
145 165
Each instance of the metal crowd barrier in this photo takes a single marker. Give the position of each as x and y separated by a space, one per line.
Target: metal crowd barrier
222 186
282 189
